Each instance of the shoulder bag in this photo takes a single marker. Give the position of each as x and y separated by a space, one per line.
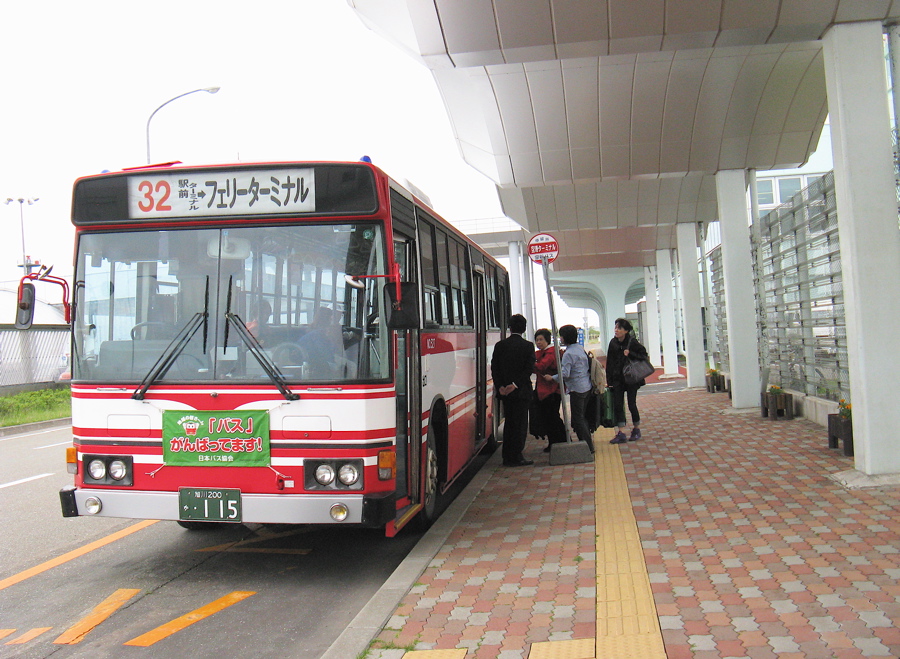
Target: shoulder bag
635 368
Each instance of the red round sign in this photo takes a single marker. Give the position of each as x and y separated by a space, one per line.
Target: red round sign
543 246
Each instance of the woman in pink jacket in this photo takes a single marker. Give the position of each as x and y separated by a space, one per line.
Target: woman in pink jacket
547 397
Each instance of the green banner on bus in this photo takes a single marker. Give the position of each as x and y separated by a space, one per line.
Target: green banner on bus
216 439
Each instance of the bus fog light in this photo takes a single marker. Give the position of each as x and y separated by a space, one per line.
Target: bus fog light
92 505
339 512
325 474
97 469
117 470
348 474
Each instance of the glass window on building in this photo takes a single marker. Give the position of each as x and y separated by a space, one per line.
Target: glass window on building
765 193
788 187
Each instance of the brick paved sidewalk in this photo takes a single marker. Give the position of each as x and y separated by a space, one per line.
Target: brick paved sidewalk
519 568
751 549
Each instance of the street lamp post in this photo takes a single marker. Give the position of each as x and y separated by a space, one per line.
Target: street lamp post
26 262
209 90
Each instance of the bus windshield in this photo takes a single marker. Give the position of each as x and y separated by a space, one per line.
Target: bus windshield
311 296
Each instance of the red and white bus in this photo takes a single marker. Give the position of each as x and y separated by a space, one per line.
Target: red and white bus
275 343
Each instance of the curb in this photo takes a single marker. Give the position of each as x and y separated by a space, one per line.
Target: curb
369 622
6 431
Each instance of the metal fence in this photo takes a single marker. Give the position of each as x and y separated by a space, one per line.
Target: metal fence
40 354
799 289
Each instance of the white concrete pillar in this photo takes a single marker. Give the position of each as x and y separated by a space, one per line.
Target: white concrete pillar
515 276
676 288
527 292
894 51
651 341
867 228
615 308
710 328
740 297
667 311
690 296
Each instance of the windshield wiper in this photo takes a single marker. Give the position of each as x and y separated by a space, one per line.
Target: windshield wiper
255 348
176 347
171 353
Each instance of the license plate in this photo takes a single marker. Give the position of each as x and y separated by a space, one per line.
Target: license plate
209 505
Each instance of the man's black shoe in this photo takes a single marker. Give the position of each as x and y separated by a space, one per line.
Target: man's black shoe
521 463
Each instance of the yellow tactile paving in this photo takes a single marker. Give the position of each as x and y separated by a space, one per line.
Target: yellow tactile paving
627 622
582 648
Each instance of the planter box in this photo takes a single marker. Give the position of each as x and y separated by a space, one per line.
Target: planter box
840 430
777 406
715 383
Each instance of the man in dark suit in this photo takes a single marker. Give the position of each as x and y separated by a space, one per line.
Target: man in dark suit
511 367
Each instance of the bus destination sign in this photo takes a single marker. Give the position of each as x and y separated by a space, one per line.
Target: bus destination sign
222 192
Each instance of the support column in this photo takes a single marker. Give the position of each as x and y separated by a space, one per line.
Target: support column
527 293
651 341
615 308
867 228
690 295
515 277
740 298
710 329
667 311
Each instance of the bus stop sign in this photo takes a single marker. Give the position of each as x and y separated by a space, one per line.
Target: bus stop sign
541 246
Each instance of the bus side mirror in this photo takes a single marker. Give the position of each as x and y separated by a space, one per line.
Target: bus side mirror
403 314
25 306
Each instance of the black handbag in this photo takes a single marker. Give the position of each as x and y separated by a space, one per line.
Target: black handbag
636 369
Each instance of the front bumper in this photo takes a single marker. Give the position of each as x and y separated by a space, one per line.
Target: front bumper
365 510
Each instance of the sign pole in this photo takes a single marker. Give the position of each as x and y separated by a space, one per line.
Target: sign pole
543 248
545 261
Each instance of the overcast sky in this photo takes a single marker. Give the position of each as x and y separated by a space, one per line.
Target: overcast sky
300 80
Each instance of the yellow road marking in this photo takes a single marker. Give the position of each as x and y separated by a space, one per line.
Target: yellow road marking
188 619
76 553
27 636
6 632
77 632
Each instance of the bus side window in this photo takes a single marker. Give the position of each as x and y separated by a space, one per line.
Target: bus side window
429 275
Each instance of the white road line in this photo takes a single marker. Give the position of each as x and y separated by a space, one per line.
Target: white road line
69 443
23 480
29 434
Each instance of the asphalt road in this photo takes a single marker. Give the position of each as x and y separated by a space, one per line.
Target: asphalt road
157 590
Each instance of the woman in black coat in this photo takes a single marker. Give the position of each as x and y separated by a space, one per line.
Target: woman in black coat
620 347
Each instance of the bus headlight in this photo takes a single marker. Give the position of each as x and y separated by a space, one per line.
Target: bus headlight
115 470
325 474
348 474
118 470
97 469
331 474
92 505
